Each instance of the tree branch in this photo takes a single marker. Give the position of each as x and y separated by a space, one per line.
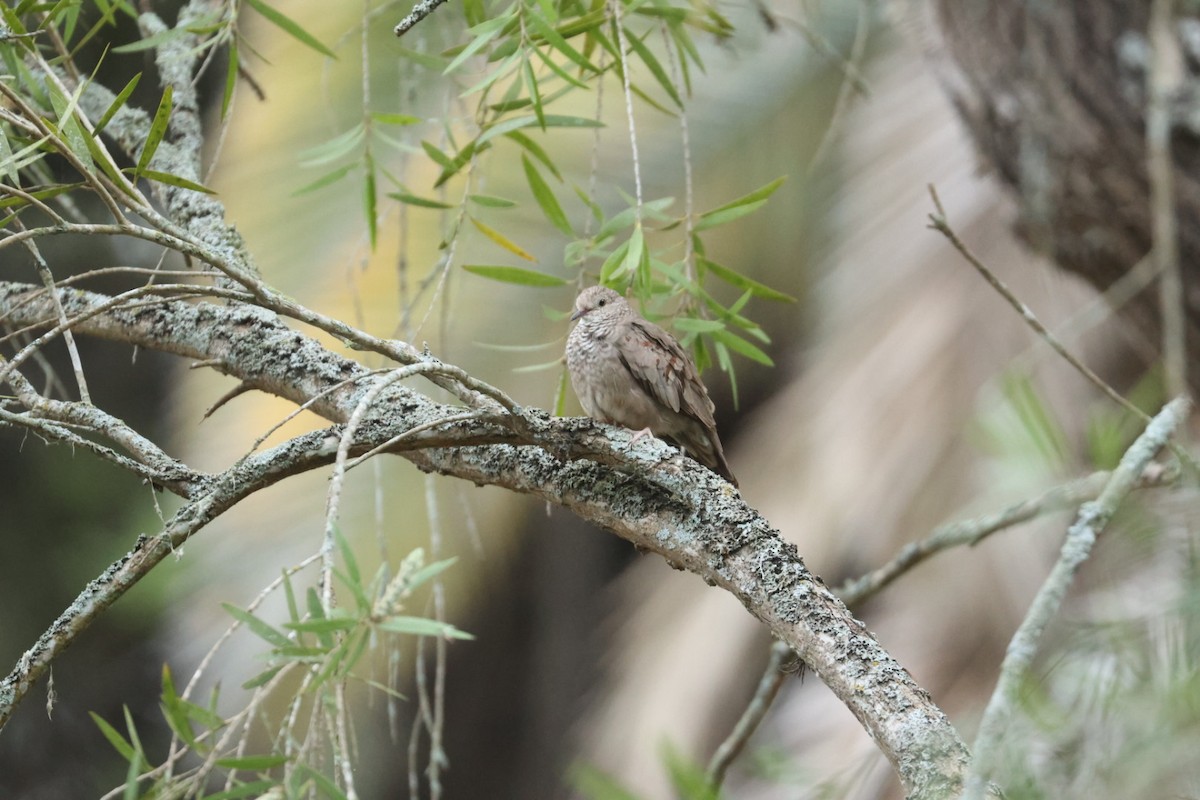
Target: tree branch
643 493
1081 537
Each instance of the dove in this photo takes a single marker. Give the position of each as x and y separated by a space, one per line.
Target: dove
628 371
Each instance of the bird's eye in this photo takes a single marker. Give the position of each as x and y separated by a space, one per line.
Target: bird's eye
601 302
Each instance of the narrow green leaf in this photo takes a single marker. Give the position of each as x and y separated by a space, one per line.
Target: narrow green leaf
688 777
151 42
742 282
509 126
485 33
431 571
545 197
174 180
138 750
178 722
8 162
262 629
173 711
503 241
633 258
543 367
395 119
325 785
317 611
461 160
359 640
616 258
518 275
413 200
588 22
325 625
158 129
67 125
199 714
358 590
262 678
389 691
491 201
495 74
327 179
370 199
290 594
696 325
131 777
740 345
291 27
617 222
569 79
118 102
738 208
535 95
542 28
114 737
437 155
232 68
335 148
419 626
596 785
712 219
535 150
656 69
253 762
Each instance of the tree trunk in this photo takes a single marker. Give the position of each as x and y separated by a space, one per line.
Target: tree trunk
1055 97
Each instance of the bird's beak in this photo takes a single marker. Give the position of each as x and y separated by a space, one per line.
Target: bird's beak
579 313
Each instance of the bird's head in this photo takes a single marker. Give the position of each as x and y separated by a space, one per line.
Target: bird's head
596 298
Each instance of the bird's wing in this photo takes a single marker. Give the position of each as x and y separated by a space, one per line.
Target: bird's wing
664 370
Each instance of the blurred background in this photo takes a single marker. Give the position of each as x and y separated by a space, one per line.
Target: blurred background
904 394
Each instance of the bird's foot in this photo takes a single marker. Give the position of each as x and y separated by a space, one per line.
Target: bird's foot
639 435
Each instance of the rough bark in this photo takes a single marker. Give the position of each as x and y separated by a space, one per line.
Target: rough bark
1055 97
671 506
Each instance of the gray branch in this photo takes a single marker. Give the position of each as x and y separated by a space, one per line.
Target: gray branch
1077 546
674 507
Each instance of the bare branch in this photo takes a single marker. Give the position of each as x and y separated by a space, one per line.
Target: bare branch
420 11
1081 536
641 492
242 480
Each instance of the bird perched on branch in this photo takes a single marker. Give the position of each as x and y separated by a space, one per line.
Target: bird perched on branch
628 371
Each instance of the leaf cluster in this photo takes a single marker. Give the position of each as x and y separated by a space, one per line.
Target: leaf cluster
308 657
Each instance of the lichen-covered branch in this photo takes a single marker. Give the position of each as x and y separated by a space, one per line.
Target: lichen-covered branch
1077 546
643 493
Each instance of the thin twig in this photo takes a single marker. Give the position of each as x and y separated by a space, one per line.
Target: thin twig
47 277
756 710
939 223
855 591
847 88
622 49
1077 546
437 751
420 11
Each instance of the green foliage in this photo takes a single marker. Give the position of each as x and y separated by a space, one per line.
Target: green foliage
1113 710
1022 429
287 24
687 778
308 657
518 66
1110 430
